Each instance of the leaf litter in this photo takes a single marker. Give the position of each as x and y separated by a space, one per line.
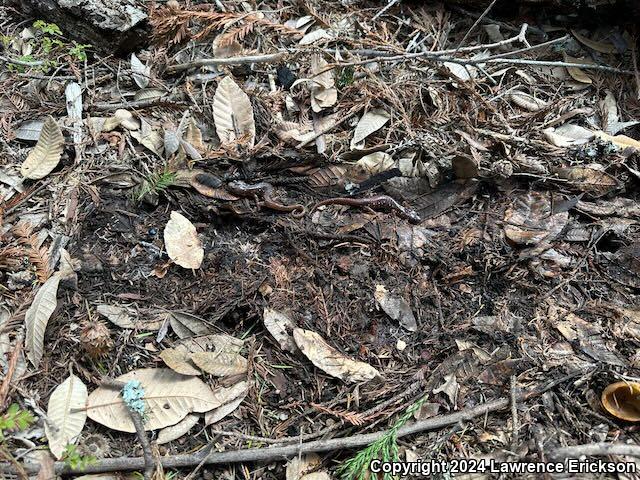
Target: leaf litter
243 304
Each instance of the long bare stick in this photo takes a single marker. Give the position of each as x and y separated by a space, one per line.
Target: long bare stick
268 58
595 449
283 452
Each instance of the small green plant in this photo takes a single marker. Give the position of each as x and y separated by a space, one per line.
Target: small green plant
78 51
346 77
47 28
155 183
384 449
15 419
73 459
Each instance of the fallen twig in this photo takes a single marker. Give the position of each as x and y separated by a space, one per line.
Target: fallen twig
206 456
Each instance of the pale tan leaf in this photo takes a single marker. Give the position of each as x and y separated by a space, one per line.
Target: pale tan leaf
126 317
575 72
323 91
193 135
45 156
168 434
182 242
231 397
218 343
280 327
233 113
298 466
601 47
526 101
168 397
589 178
149 137
220 364
370 122
396 307
179 360
330 360
127 120
66 414
187 325
375 163
621 141
37 317
141 72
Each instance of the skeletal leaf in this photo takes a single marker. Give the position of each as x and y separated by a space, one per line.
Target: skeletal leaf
314 36
45 156
220 364
176 431
233 113
66 414
29 130
330 360
231 397
168 398
370 122
37 317
280 327
141 72
179 360
182 242
396 307
149 137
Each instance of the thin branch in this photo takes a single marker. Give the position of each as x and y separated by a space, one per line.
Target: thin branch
282 452
475 24
268 58
23 63
385 8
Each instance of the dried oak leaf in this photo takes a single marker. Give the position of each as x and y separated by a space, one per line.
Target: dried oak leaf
37 317
66 414
168 398
45 156
330 360
233 113
182 242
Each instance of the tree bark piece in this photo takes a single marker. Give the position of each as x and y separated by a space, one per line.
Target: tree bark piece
108 25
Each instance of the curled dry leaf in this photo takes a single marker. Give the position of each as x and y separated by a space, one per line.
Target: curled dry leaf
323 90
187 325
141 72
233 113
601 47
220 364
529 220
568 135
37 317
127 317
182 242
168 434
396 307
45 156
168 397
302 468
280 327
231 398
575 72
621 141
375 163
330 360
371 122
622 400
179 360
66 414
526 101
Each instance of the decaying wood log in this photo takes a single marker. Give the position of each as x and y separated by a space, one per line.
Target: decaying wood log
108 25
